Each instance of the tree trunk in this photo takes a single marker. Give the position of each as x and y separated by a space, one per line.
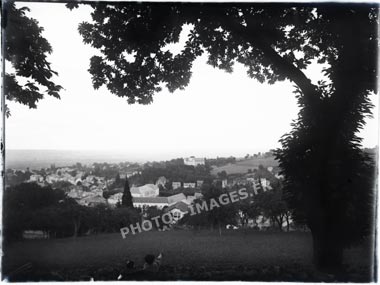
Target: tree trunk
76 228
287 223
327 252
279 222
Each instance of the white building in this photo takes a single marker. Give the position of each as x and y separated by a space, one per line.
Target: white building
159 202
194 161
176 185
78 193
161 181
92 201
36 178
114 199
145 202
147 190
189 185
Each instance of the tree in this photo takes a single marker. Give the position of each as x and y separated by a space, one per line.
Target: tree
151 213
27 50
218 215
117 179
126 199
222 174
326 174
197 221
19 204
272 205
123 217
248 209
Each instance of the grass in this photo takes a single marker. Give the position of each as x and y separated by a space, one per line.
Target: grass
244 165
181 249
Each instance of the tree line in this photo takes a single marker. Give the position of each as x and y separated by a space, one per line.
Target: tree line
29 206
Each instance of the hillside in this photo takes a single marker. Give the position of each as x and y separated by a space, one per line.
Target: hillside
242 166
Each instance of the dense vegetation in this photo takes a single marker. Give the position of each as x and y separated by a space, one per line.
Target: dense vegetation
29 206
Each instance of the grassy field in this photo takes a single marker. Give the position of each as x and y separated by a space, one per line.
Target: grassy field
244 165
183 250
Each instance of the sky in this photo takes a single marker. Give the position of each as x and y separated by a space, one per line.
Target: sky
218 114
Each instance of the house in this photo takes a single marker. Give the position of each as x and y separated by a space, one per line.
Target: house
78 193
52 178
190 199
145 202
178 210
114 199
189 185
123 175
194 161
78 181
161 181
199 183
36 178
159 202
129 174
92 201
96 190
176 185
176 198
147 190
135 192
79 175
90 178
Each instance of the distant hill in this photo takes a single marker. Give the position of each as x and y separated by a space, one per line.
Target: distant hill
242 166
37 159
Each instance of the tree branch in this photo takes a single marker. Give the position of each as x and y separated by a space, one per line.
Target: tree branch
284 67
287 68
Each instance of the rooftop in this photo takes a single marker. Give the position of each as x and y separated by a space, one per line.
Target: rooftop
152 200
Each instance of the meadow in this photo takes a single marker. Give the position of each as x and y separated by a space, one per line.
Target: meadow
187 255
243 166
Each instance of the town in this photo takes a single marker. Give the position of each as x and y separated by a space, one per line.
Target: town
170 186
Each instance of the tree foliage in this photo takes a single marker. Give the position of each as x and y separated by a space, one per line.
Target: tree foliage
19 204
173 172
26 50
267 39
272 205
29 206
126 199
